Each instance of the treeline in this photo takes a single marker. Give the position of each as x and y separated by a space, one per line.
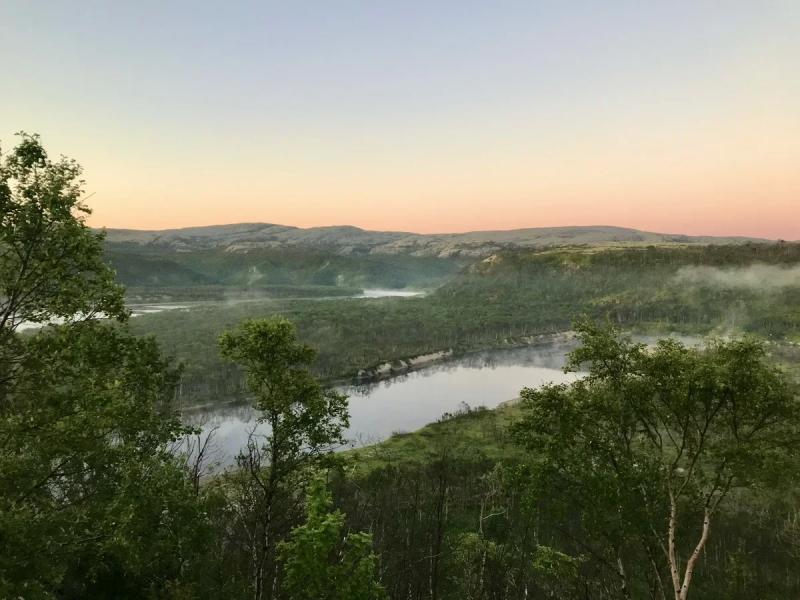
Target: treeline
209 294
694 289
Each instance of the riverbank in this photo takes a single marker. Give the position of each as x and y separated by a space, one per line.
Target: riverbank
388 369
476 431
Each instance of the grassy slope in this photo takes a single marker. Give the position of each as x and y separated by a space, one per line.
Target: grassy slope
479 430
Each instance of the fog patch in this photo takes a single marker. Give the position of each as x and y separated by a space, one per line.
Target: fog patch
757 277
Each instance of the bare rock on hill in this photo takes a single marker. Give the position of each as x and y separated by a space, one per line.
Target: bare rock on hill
348 240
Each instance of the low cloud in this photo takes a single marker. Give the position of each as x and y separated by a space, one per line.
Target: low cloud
757 277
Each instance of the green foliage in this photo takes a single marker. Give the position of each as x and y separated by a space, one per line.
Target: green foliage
557 571
324 562
654 436
264 269
92 497
474 559
305 423
92 501
304 417
51 263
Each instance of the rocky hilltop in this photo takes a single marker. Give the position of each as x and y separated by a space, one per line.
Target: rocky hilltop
348 240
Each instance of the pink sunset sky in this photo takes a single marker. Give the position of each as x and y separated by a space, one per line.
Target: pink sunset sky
431 117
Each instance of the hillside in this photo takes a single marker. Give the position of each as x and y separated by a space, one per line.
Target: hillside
281 261
507 299
163 271
735 288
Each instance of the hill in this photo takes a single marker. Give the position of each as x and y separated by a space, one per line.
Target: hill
157 271
348 240
281 261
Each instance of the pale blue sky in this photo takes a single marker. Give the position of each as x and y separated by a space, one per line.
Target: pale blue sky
321 112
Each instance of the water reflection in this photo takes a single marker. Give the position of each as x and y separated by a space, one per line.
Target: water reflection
409 401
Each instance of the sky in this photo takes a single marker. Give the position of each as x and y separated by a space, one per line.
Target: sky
430 116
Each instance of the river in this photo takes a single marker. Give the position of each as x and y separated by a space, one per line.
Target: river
410 401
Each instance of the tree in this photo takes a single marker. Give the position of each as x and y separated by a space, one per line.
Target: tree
557 572
651 442
324 562
51 263
92 501
305 422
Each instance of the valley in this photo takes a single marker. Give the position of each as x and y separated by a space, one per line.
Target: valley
400 300
512 404
506 299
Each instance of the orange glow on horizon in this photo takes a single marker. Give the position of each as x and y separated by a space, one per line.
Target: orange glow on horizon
673 117
716 182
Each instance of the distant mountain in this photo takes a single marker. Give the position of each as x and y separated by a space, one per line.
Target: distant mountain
278 259
348 240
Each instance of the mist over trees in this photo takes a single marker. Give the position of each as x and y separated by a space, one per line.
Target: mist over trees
504 301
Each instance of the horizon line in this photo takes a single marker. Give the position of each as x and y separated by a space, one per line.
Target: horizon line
345 225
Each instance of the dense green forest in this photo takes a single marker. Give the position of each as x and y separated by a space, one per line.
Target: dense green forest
667 471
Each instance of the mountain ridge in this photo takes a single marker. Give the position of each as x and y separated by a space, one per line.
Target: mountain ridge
349 239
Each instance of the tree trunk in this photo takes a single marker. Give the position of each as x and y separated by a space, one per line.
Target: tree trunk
623 579
690 565
673 559
681 589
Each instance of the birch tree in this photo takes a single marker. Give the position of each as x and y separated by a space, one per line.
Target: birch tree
304 424
647 447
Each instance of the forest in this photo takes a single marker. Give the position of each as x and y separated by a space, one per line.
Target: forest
666 471
506 300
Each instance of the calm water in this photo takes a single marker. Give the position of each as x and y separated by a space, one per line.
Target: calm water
408 402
